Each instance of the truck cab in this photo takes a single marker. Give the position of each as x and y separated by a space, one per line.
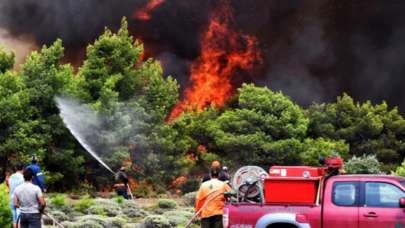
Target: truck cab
364 201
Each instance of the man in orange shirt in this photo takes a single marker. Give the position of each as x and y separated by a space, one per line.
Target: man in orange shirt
210 201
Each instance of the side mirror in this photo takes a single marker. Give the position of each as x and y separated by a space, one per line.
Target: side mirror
402 202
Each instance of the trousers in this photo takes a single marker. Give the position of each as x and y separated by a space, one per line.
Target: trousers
212 222
30 220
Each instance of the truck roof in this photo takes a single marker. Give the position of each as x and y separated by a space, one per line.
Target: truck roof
370 176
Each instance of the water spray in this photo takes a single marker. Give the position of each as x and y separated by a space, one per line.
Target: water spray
69 110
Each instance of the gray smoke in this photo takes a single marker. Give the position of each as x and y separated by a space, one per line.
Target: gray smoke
313 50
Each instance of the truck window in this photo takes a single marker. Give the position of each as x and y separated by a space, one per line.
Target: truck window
345 193
379 194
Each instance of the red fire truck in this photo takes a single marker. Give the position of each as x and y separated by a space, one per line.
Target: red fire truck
314 197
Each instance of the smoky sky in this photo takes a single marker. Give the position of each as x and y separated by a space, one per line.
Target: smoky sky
313 50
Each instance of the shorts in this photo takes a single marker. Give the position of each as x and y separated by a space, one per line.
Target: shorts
16 212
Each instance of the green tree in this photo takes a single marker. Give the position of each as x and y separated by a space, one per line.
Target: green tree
44 78
132 99
400 170
266 128
111 56
6 60
368 129
315 148
17 137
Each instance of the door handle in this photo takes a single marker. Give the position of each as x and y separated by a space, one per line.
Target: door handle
371 215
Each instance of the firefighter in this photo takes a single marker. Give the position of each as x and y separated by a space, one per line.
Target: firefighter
210 200
121 183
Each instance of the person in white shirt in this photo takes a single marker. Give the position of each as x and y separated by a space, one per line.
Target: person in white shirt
30 200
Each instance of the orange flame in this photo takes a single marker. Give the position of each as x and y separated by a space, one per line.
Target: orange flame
223 51
143 14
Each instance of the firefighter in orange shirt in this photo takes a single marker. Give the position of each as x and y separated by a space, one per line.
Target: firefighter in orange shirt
210 201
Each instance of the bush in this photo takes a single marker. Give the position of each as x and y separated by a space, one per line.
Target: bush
143 190
58 215
5 212
83 204
105 207
189 199
366 164
58 200
177 218
94 220
119 199
116 222
156 221
167 204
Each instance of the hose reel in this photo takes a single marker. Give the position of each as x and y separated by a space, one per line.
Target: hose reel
247 182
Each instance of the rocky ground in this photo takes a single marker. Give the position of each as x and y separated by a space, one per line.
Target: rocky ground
87 212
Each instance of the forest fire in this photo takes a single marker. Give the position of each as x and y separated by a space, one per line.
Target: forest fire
144 13
224 51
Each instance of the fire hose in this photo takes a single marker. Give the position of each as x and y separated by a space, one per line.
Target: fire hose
54 221
214 196
130 192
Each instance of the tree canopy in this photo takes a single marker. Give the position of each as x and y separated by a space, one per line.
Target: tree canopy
131 97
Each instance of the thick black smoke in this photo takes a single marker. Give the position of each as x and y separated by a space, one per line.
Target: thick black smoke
313 50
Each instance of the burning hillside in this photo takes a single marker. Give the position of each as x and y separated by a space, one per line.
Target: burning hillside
224 51
311 50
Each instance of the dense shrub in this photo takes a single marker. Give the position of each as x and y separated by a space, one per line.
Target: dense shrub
366 164
177 218
189 199
83 204
167 204
156 221
5 212
58 200
119 199
104 207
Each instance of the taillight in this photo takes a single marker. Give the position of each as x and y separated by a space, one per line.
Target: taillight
301 218
225 218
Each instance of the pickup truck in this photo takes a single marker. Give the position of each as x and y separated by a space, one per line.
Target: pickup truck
345 201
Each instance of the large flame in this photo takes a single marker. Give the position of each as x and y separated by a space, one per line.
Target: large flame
223 51
143 14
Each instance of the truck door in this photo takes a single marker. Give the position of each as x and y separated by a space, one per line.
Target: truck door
381 206
341 205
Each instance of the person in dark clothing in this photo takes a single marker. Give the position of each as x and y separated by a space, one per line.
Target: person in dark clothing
39 178
121 183
224 175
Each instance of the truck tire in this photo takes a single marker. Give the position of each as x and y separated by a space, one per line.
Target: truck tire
275 220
